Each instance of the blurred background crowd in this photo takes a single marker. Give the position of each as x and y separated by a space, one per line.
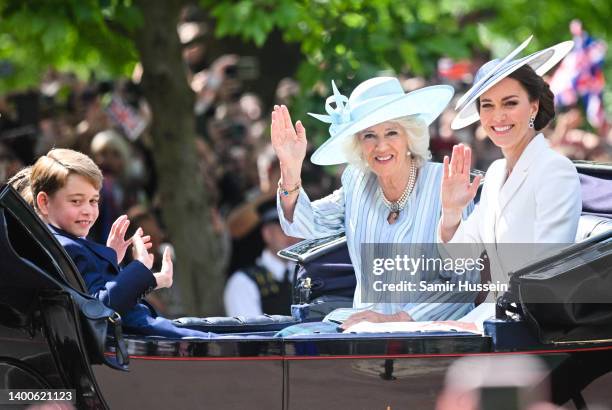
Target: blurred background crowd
110 120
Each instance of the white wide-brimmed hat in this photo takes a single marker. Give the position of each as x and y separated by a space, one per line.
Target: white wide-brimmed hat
496 70
372 102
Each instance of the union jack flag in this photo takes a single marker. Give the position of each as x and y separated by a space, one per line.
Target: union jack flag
580 76
126 117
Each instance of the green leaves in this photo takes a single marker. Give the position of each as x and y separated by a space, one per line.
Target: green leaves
354 20
351 40
341 39
71 35
252 20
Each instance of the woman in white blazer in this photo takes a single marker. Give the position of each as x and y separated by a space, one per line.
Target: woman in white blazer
532 195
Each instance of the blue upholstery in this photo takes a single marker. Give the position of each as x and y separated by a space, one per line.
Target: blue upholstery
238 324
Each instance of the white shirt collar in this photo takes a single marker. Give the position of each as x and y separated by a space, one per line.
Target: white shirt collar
276 266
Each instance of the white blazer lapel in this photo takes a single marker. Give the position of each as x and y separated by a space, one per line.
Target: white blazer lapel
509 188
520 171
494 180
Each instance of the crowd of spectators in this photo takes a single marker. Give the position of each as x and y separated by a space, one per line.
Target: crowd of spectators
108 120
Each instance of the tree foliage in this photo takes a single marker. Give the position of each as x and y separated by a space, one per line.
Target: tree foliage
344 36
350 40
346 40
83 36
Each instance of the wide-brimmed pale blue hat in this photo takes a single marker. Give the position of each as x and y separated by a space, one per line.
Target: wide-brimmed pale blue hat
496 70
372 102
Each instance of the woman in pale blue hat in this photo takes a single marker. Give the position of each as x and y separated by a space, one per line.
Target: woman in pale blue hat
390 191
532 195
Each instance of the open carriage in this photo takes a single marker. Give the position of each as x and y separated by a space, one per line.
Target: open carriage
50 340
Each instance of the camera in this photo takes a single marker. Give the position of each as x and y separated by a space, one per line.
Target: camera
247 68
236 132
231 71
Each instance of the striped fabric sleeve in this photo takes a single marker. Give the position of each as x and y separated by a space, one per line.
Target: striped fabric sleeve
468 210
316 219
437 310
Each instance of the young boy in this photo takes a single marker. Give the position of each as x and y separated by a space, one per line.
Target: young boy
65 187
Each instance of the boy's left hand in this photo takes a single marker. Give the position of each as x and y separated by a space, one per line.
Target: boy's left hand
116 238
165 276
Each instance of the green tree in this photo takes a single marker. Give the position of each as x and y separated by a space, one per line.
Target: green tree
350 40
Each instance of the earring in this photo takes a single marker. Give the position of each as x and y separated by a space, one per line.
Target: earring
408 153
531 121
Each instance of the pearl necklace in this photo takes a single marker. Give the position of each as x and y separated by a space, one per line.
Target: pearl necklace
396 207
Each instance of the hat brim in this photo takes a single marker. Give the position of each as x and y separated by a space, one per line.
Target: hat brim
427 103
461 101
540 61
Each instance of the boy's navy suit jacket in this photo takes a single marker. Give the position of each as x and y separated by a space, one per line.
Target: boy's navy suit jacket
121 289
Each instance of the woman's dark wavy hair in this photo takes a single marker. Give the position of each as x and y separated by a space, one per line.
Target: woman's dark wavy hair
537 89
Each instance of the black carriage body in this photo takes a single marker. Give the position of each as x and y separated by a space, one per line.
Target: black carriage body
43 345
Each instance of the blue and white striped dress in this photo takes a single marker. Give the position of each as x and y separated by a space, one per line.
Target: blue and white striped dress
358 209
